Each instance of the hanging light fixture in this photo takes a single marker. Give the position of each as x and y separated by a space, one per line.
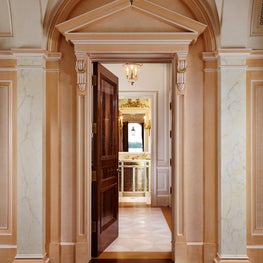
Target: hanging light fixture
132 71
133 131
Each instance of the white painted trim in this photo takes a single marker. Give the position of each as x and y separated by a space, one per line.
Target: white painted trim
29 256
67 243
249 68
131 42
7 246
233 257
195 243
255 247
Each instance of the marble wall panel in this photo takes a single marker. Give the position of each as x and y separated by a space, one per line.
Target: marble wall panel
232 160
30 157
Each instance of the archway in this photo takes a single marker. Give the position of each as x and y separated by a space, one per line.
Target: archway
174 46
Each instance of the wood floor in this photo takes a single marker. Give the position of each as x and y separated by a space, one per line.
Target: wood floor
133 257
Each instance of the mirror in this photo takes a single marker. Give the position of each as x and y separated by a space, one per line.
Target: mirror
135 124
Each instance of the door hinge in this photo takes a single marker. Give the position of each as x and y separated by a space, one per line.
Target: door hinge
170 161
94 127
94 80
94 226
170 105
171 190
171 133
94 176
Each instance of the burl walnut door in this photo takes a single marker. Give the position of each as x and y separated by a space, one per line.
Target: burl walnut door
105 160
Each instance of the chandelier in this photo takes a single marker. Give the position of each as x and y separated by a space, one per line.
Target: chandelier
132 71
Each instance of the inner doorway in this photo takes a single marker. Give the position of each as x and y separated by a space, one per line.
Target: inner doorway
158 90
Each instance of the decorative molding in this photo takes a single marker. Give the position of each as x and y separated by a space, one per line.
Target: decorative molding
181 71
81 74
120 40
231 259
35 258
134 103
6 28
170 17
7 193
256 156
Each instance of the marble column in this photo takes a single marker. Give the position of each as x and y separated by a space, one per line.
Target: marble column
232 156
31 157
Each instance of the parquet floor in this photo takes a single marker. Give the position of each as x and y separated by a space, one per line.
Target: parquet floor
151 245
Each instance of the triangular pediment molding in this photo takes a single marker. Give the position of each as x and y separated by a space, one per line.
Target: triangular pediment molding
97 26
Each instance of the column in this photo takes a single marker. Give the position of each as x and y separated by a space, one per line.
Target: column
30 157
178 127
232 156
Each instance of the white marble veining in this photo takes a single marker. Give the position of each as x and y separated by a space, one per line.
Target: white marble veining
143 230
30 231
232 159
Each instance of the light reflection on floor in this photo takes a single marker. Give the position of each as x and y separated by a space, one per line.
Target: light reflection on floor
141 229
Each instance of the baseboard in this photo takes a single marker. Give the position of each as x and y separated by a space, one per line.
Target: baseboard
231 260
31 259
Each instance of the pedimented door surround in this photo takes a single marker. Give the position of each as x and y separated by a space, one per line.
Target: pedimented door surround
170 42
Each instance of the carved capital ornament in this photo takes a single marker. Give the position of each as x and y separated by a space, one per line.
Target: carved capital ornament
181 72
81 74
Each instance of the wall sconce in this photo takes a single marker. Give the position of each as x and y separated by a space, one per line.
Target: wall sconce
147 123
132 71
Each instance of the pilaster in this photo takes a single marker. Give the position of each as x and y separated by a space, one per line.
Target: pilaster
232 156
84 120
30 156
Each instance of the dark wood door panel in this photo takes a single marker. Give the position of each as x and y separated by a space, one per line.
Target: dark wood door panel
105 160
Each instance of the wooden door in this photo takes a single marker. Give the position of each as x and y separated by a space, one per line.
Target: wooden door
105 160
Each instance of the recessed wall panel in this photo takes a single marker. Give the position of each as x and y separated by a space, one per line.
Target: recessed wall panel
258 155
4 185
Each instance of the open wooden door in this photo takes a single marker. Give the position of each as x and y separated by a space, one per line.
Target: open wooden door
105 160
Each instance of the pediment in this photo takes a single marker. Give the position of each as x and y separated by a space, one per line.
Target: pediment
139 22
129 20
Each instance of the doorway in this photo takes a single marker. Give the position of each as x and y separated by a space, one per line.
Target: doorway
157 90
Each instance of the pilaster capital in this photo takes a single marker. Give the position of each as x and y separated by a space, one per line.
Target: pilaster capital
233 57
181 71
81 69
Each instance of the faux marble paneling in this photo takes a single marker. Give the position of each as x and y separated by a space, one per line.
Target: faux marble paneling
30 157
232 160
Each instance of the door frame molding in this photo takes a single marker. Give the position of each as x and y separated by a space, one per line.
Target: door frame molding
118 47
84 150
